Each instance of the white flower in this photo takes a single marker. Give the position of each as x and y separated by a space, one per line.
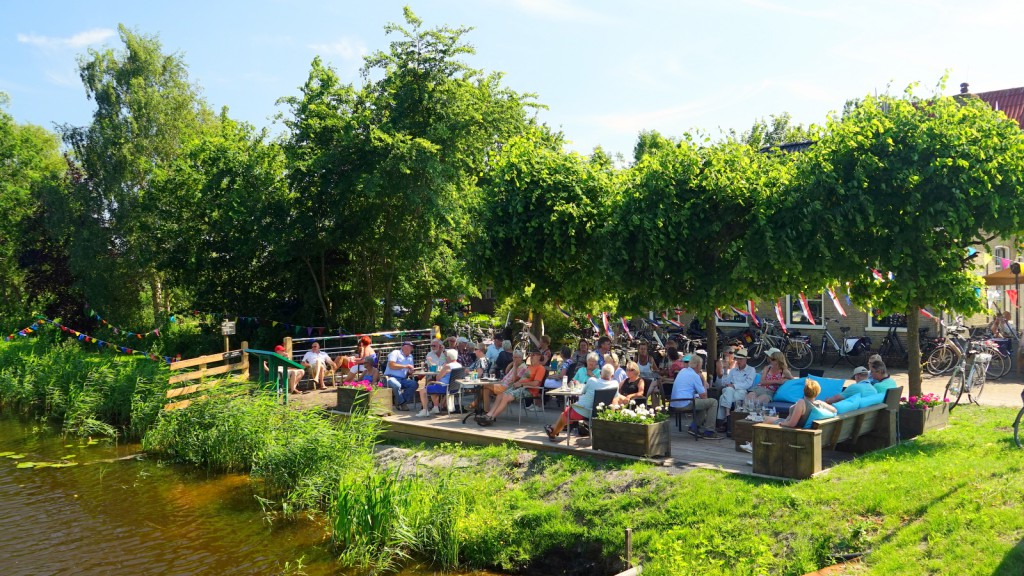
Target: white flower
600 406
628 412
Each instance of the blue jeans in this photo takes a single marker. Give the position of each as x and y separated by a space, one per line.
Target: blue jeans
403 388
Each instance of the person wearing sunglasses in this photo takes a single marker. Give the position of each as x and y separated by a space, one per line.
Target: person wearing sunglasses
632 388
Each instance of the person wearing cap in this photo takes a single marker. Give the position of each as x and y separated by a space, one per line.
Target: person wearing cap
398 375
316 363
689 388
440 388
736 383
518 389
861 386
294 374
773 376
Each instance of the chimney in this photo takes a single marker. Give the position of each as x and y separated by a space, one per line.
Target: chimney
964 87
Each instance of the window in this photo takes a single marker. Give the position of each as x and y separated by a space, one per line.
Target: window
795 314
730 318
883 322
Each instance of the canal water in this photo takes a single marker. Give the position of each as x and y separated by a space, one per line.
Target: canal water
99 511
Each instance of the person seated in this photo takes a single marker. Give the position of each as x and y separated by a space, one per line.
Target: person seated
604 348
620 373
1002 326
579 357
631 388
504 359
435 358
861 386
589 370
545 350
398 375
294 374
736 384
878 375
350 366
369 373
774 375
520 389
673 364
316 363
465 349
494 349
516 370
726 363
806 410
648 368
438 390
689 388
564 365
584 407
480 365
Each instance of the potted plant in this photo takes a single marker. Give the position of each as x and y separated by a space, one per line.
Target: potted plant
637 430
364 395
919 414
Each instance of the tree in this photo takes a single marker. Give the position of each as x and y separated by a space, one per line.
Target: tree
906 185
773 132
30 166
146 107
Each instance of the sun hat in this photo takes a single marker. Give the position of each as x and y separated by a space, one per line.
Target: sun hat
772 352
278 349
860 370
741 353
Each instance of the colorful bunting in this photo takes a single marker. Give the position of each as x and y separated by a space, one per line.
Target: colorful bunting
607 325
927 314
779 315
751 313
835 302
807 309
625 328
1012 294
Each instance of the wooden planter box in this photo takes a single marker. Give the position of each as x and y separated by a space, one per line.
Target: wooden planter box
633 439
914 422
357 400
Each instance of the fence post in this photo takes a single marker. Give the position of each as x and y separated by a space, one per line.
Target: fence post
245 359
288 347
629 548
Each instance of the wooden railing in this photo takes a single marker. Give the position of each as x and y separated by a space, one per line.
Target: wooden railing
224 363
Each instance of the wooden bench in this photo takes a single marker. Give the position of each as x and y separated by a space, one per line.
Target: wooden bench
796 453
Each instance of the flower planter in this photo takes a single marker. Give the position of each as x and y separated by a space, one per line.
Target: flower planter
917 421
633 439
357 400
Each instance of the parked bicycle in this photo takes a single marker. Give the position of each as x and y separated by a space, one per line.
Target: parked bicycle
525 339
853 349
968 377
799 354
1017 436
956 344
892 347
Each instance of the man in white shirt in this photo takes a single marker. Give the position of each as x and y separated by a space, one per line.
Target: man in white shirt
736 383
398 371
493 350
316 363
689 384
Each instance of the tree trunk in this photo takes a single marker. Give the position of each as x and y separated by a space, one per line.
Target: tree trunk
157 295
388 303
711 322
913 352
316 284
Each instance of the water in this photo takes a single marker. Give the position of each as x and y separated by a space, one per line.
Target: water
106 515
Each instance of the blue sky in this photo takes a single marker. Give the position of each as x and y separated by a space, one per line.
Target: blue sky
606 69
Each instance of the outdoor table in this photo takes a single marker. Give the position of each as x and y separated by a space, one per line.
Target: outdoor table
569 394
470 383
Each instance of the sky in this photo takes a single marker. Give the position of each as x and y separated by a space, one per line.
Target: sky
605 70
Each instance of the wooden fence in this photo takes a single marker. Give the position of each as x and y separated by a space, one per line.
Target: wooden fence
223 364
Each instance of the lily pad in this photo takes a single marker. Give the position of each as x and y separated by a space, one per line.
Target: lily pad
26 464
69 445
16 456
5 454
69 457
65 465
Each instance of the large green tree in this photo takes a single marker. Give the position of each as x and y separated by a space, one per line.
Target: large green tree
146 108
906 185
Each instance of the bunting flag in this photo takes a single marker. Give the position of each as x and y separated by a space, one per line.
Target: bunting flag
738 312
625 328
129 333
878 275
23 332
807 309
561 311
664 316
1005 262
751 313
83 337
1012 294
718 315
607 325
594 324
779 315
927 314
986 258
835 302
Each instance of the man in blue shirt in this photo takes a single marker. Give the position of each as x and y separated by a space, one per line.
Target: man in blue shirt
398 371
493 350
688 384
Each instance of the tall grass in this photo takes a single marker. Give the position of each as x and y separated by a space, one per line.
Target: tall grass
84 392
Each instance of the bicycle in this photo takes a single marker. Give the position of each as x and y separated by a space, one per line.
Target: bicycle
1018 438
892 347
852 349
799 353
956 343
525 339
968 376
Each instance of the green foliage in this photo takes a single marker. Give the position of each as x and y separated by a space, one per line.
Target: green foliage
83 392
774 131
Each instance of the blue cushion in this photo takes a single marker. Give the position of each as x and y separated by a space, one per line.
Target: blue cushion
817 414
871 400
790 391
757 379
829 386
884 385
849 405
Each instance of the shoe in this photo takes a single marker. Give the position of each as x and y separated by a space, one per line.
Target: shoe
748 448
711 435
721 427
584 431
534 408
485 420
422 413
693 431
750 462
402 407
434 411
551 433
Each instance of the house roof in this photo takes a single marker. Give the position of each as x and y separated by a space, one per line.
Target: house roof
1009 101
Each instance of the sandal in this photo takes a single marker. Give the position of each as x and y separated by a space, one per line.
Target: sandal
485 420
551 433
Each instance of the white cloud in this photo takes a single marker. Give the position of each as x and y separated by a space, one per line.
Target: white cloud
76 41
767 5
560 10
349 49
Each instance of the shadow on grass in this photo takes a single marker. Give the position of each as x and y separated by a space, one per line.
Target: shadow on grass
1013 562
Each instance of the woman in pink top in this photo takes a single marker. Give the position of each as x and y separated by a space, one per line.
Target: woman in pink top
773 375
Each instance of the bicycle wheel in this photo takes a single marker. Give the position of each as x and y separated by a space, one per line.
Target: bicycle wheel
1007 365
996 368
954 388
977 385
858 355
940 360
523 346
1017 436
757 357
799 355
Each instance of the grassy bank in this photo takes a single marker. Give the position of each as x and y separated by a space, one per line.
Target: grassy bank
83 392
